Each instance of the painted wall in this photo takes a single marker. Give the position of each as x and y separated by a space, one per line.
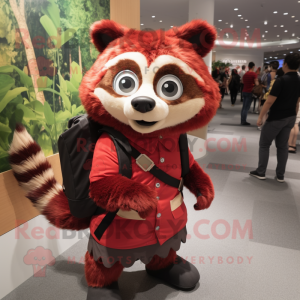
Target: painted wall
241 56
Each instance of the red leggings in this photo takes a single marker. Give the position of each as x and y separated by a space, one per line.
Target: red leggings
97 275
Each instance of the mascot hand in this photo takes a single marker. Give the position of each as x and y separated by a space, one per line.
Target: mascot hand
203 202
200 184
118 192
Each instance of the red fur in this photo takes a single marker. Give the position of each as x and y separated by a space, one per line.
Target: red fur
24 153
114 192
158 263
58 213
198 181
36 194
108 28
152 45
37 170
97 275
206 31
20 127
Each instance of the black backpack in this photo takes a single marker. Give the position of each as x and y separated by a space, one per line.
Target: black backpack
76 147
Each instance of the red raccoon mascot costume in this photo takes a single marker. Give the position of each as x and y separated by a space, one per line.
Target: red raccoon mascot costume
152 87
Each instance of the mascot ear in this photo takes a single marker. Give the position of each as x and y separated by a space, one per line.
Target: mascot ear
199 33
104 32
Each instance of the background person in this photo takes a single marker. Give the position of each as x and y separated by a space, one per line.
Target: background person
279 73
249 80
242 73
294 135
283 103
223 86
234 85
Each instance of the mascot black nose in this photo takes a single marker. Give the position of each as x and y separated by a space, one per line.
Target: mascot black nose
143 104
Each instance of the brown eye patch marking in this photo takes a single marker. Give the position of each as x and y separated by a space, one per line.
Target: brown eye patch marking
106 82
190 88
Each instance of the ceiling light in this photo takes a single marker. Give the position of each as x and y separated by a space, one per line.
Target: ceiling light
281 25
266 22
160 21
153 16
265 39
265 58
284 54
220 20
286 14
239 15
285 31
236 9
291 52
299 50
275 57
270 56
278 35
248 26
275 12
142 24
275 25
297 21
226 23
231 26
266 31
263 35
293 34
171 26
246 20
242 18
293 16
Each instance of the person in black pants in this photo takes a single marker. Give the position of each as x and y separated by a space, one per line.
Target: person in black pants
234 85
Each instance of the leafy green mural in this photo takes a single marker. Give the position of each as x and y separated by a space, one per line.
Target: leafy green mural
44 98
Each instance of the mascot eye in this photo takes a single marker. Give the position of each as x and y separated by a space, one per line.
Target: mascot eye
169 87
126 83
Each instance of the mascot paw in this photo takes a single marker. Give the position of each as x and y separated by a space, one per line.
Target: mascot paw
147 208
202 202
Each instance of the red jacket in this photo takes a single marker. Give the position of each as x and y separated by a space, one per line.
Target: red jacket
163 223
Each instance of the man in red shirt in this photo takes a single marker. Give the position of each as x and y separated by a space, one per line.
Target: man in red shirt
249 80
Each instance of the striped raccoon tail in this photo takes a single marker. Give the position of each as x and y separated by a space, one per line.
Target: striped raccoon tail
35 175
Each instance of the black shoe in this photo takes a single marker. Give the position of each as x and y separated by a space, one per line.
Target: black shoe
245 124
280 178
182 275
259 176
106 293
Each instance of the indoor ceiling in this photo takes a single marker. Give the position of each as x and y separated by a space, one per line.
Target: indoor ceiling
170 12
274 28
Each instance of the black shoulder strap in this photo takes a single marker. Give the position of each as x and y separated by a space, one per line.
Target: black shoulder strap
124 169
157 172
124 152
124 157
184 155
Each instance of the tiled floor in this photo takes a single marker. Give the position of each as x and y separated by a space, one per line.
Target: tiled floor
233 264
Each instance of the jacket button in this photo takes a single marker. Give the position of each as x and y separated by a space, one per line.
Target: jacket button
158 215
160 137
157 198
157 228
157 185
162 160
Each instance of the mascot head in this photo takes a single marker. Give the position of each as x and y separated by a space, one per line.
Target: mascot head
151 82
